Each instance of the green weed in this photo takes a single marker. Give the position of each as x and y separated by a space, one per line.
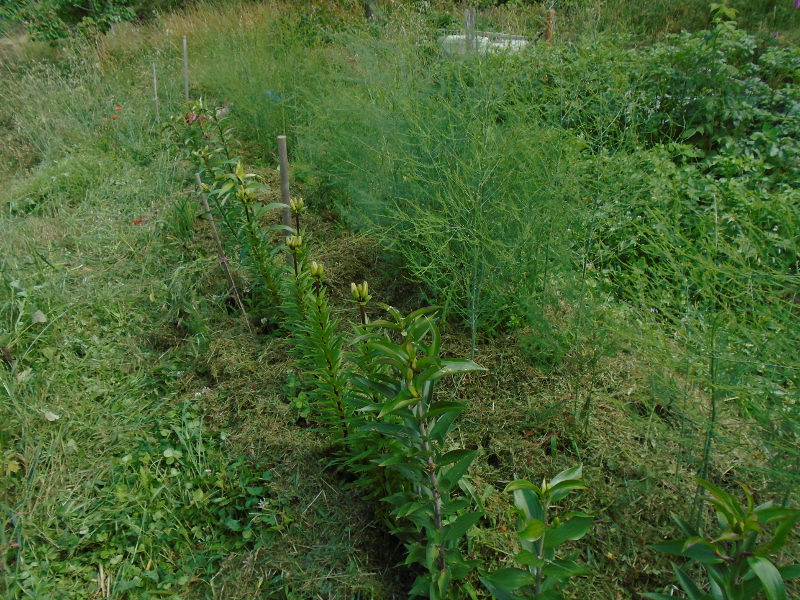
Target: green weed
738 564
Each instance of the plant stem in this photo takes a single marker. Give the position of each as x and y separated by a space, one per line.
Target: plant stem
223 140
255 243
222 258
540 555
437 496
283 161
712 374
583 413
223 213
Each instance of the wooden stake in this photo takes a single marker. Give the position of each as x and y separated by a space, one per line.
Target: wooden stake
283 160
548 33
185 71
222 259
469 28
155 93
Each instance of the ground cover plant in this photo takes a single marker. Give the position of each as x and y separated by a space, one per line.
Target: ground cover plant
605 221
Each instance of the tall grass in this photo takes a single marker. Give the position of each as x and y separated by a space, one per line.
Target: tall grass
88 432
263 60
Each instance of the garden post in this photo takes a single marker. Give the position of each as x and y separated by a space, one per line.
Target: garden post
185 71
155 94
469 29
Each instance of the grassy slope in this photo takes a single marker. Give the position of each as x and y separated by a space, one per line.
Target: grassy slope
137 346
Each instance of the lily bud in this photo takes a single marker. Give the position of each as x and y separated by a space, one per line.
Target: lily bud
294 242
244 194
317 270
360 292
298 205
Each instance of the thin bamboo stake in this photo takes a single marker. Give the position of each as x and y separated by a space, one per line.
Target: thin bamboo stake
283 160
185 71
222 259
155 93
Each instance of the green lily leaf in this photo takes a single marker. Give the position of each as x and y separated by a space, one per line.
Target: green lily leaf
420 312
272 205
389 429
387 391
504 581
687 584
687 529
723 501
396 356
451 477
403 399
696 552
528 502
770 577
529 559
443 425
573 529
533 530
561 489
456 365
454 456
459 527
455 506
782 531
522 484
790 572
443 406
570 474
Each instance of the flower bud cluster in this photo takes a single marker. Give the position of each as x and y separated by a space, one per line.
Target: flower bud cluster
360 292
203 153
316 269
244 194
298 205
294 242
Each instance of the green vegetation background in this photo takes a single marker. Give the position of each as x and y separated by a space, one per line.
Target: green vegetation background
609 221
